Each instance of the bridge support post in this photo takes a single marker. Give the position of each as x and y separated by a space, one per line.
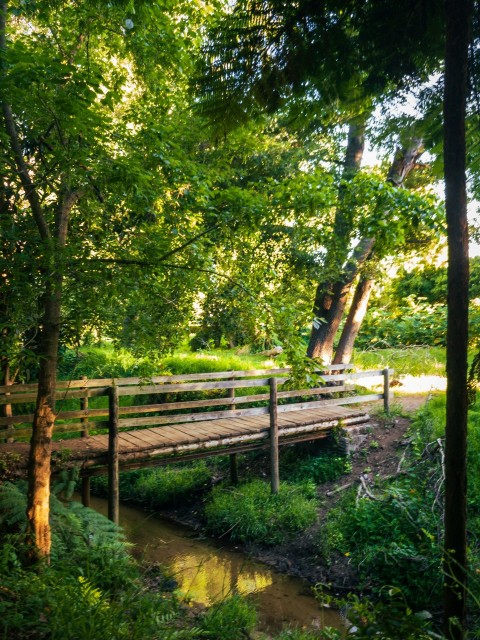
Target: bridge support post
113 470
86 492
233 468
274 466
386 390
84 421
233 456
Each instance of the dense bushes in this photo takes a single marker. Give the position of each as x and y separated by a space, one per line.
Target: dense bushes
91 590
395 539
251 513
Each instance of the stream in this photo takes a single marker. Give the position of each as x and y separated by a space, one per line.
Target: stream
207 572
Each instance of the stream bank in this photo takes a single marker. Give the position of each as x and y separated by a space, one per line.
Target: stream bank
206 571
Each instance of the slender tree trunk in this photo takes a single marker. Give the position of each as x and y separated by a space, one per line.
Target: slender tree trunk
356 315
327 292
458 19
38 508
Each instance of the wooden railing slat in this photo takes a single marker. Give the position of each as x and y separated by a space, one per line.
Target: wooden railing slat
120 382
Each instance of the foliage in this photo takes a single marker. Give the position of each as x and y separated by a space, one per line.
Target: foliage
163 486
234 618
402 526
323 466
251 513
91 589
410 308
415 361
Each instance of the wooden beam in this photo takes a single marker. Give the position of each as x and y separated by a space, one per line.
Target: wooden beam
386 390
274 467
113 466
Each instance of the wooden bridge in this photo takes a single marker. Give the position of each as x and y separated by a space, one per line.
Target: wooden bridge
183 417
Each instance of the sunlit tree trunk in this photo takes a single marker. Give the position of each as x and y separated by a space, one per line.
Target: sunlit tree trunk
458 17
356 315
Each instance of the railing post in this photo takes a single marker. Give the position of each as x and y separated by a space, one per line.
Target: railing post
84 434
7 409
233 456
274 467
113 472
386 390
84 407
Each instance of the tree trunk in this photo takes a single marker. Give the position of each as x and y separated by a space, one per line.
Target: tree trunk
356 314
329 309
325 329
458 19
38 508
327 292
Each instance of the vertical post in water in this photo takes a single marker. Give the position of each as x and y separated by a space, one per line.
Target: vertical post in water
84 421
113 477
274 468
386 390
233 456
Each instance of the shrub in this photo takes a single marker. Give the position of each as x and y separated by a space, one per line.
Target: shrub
251 513
160 487
233 618
325 466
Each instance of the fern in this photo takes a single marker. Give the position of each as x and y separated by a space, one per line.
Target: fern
74 527
13 505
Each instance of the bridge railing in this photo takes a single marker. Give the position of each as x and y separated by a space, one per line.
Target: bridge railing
85 406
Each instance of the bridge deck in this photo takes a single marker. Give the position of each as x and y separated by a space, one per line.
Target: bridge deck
199 439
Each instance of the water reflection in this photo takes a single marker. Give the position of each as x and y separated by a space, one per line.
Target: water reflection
207 573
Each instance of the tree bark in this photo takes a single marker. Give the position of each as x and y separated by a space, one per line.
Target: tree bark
356 315
324 331
458 19
327 292
329 310
38 502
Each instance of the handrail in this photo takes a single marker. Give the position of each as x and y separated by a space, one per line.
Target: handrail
85 418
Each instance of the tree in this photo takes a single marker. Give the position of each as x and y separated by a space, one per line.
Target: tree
73 155
458 25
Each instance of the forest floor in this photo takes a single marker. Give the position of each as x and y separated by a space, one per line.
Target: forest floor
376 458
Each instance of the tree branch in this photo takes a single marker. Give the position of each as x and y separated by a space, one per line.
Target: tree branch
23 171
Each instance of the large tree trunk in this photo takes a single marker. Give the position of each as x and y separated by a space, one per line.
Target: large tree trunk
326 326
329 309
328 291
458 19
356 315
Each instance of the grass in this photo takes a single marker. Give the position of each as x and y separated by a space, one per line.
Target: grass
104 361
251 513
162 486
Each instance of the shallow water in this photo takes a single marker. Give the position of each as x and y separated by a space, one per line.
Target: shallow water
206 571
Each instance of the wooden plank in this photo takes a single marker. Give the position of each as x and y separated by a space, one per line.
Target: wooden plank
59 395
314 391
355 375
191 417
194 386
120 382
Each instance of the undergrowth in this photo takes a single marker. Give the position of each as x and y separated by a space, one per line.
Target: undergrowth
394 538
162 486
251 513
